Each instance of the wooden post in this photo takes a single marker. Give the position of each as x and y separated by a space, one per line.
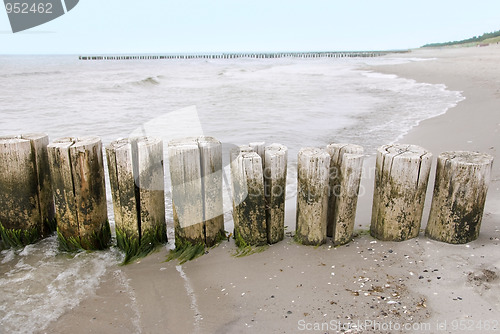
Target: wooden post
39 143
137 185
460 190
346 165
20 217
187 193
211 172
401 176
275 171
312 195
124 192
249 208
151 183
260 148
77 175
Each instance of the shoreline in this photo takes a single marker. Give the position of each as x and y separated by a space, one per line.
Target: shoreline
419 281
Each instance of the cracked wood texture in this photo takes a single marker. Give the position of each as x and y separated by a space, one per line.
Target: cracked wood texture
137 185
276 156
401 177
249 207
77 175
211 172
459 196
19 186
312 195
346 165
187 191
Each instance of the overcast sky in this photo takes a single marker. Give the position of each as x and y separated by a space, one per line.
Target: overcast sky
164 26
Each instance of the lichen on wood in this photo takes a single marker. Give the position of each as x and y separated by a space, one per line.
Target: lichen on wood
459 196
312 196
401 176
345 175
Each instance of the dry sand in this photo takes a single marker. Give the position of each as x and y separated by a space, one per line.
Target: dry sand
289 287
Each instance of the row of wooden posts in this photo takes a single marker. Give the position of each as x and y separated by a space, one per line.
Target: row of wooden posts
256 55
62 184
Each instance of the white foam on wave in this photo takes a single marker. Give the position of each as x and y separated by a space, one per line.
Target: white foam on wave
38 286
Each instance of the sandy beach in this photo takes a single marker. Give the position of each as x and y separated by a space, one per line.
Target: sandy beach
366 286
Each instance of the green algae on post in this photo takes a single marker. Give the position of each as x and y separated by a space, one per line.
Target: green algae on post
17 238
245 249
186 252
96 240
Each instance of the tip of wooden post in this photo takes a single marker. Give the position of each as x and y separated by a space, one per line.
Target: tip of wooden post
467 157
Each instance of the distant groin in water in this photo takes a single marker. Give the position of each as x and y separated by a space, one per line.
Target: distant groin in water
262 55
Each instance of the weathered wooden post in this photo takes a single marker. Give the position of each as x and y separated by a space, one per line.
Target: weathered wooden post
77 175
137 184
27 206
459 196
196 173
187 192
401 176
249 207
211 172
259 148
346 165
275 171
312 195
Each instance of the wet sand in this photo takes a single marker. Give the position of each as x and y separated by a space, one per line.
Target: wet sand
380 286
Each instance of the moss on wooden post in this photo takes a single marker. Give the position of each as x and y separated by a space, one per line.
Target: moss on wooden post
249 207
27 207
459 196
312 195
275 172
401 176
77 175
346 165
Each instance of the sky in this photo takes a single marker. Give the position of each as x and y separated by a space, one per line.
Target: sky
188 26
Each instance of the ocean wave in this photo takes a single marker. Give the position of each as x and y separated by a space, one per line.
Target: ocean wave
39 283
29 74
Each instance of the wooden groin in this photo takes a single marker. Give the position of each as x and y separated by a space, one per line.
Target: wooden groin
249 55
65 181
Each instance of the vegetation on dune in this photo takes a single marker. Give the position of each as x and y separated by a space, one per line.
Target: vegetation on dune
490 37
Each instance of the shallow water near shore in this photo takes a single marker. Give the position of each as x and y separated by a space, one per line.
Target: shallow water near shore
296 102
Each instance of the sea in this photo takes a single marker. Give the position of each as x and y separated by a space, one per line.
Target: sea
297 102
